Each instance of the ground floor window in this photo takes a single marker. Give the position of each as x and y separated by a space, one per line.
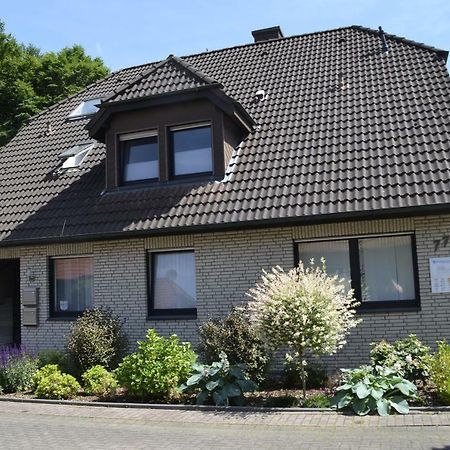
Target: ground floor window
381 269
172 283
71 285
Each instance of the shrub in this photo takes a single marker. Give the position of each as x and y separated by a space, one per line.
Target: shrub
283 401
316 376
57 386
219 382
96 338
369 389
440 372
319 400
157 368
98 381
303 309
408 356
235 337
52 356
44 372
16 369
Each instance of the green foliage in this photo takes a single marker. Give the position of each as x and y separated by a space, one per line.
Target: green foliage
316 375
303 309
440 372
17 374
98 381
44 372
157 368
52 356
96 338
57 386
220 381
319 400
409 357
31 81
283 401
235 337
374 389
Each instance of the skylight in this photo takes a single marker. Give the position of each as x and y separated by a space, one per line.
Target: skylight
75 155
86 108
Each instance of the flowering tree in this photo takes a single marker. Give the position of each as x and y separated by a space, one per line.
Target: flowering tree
304 309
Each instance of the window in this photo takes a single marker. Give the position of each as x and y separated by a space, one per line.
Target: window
139 156
75 155
381 270
191 149
71 285
86 108
173 287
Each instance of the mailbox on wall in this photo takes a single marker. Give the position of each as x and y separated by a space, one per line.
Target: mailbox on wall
30 300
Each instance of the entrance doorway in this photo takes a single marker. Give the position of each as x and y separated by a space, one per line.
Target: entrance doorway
9 302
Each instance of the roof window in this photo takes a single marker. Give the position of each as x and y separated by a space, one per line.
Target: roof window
75 155
86 108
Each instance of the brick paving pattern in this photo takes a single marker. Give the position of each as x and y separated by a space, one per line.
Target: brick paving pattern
42 426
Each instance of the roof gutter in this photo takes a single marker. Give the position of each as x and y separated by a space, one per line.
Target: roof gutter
233 226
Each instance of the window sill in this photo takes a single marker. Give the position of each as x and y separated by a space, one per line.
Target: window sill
387 309
63 318
171 317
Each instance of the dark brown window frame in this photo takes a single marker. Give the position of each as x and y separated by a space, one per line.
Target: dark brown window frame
53 314
121 160
375 306
165 314
171 154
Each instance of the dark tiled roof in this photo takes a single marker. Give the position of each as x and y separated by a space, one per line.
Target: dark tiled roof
171 75
345 130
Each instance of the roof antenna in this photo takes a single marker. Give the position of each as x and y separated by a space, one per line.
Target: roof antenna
383 39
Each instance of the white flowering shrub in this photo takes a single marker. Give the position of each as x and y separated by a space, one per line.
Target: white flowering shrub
304 309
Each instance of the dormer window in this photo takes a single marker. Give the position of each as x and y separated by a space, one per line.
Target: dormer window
86 108
191 149
139 156
75 155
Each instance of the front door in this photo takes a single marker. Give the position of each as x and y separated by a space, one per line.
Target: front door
9 302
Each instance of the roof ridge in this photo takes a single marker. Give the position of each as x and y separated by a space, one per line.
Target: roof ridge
441 52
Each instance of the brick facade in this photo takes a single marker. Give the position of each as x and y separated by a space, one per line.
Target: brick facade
227 265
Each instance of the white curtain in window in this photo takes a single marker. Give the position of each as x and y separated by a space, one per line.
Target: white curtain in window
335 253
73 284
174 283
386 267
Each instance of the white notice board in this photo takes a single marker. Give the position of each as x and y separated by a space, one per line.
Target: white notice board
440 275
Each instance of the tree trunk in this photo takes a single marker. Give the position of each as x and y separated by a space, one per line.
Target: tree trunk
302 362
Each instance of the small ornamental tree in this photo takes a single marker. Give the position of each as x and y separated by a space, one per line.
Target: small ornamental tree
304 309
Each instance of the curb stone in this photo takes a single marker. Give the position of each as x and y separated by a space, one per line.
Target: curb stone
255 409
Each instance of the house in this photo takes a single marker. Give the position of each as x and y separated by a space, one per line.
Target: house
163 190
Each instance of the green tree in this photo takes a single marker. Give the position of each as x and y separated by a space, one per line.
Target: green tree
31 81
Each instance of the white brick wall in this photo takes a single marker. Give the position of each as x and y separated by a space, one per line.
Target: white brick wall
227 265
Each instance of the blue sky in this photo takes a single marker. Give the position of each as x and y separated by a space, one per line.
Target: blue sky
130 32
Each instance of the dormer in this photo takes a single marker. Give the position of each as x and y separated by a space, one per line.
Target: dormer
169 124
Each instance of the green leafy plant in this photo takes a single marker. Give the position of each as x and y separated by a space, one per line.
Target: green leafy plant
374 389
52 356
283 401
303 309
220 382
44 372
157 368
319 400
16 369
234 336
96 338
98 381
316 376
440 372
58 386
408 356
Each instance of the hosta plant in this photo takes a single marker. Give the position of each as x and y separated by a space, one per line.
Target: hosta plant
374 389
220 382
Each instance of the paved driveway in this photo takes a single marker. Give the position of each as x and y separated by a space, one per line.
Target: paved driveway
31 426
